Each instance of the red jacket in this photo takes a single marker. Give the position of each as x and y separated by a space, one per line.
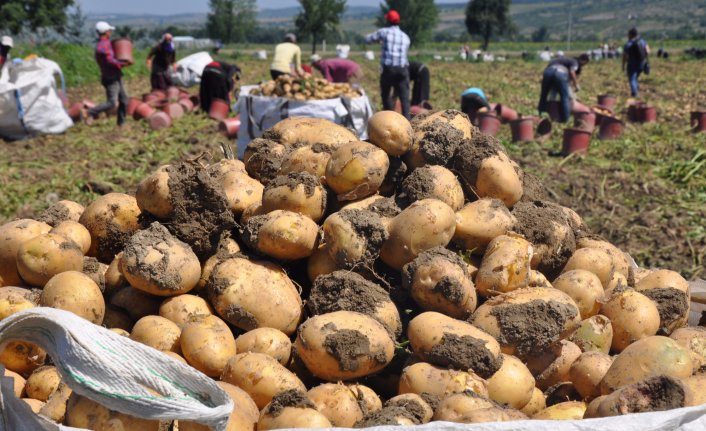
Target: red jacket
105 57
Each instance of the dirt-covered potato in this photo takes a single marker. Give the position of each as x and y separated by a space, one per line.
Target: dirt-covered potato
620 261
136 303
241 191
261 376
661 392
62 210
12 235
528 320
394 415
42 383
595 260
252 294
593 334
648 357
299 192
425 224
74 231
114 279
269 341
468 407
694 339
263 158
440 280
584 287
152 194
413 403
157 332
697 388
356 170
670 292
183 308
568 410
587 372
44 256
437 136
321 262
281 234
513 384
444 341
481 221
22 357
536 403
111 219
632 315
308 158
348 291
291 409
354 236
343 345
18 382
432 182
75 292
243 418
338 403
424 378
225 165
552 365
95 271
82 413
390 131
15 299
505 266
227 248
207 344
309 131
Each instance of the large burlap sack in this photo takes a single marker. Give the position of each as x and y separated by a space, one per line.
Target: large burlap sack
189 69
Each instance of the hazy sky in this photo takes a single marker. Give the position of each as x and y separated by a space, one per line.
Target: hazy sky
168 7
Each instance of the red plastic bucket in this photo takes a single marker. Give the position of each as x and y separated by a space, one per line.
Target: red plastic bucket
577 107
575 141
186 103
488 123
585 121
143 110
648 114
174 110
554 110
607 101
173 93
611 128
75 112
522 129
698 121
132 104
544 128
505 114
160 120
219 109
634 112
123 49
230 127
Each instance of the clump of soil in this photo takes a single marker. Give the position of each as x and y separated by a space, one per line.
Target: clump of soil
386 416
250 232
368 225
294 179
240 317
439 142
348 346
541 223
265 159
672 304
394 176
141 245
201 215
450 288
651 395
289 398
533 326
415 407
345 290
420 184
385 207
469 156
533 189
464 353
564 391
432 399
54 215
95 270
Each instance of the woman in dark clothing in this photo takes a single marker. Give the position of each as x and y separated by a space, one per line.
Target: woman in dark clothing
160 58
419 74
217 82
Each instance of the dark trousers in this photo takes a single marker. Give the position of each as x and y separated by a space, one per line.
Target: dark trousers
420 91
556 78
214 85
276 74
160 80
397 78
115 95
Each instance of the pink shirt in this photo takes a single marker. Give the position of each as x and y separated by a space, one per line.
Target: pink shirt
338 69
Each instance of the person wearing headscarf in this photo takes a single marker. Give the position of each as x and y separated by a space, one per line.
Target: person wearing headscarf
287 58
111 76
338 69
217 82
160 59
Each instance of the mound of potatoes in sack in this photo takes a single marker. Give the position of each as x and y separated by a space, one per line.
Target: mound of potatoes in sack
326 281
308 88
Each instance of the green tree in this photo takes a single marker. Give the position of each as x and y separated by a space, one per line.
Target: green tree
541 34
488 18
76 25
17 15
417 18
319 18
231 20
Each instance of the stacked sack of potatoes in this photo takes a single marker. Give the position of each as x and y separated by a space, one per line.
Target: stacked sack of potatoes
301 89
326 281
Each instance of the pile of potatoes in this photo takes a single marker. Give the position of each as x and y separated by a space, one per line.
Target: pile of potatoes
326 281
308 88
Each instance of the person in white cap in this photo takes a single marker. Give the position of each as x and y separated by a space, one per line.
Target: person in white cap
160 59
338 69
111 76
6 45
287 54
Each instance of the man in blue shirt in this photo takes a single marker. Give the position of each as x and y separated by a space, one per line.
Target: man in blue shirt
394 62
635 55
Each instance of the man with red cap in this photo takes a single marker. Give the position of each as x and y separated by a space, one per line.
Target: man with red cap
394 62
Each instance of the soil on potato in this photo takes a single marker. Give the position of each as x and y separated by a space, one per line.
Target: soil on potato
420 184
250 232
561 392
414 407
467 160
141 245
386 416
533 189
385 207
394 176
288 398
95 270
264 161
536 221
54 215
464 353
672 305
432 399
439 142
348 346
450 288
348 291
652 395
293 180
533 326
201 217
367 225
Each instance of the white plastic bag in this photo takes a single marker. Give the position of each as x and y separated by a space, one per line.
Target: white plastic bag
342 51
189 69
111 370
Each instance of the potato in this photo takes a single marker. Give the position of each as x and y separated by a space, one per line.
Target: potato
694 339
82 412
16 299
394 415
74 231
55 407
513 384
367 398
227 248
422 377
354 236
263 158
111 219
592 409
241 191
440 280
425 224
252 294
593 334
536 403
291 409
269 341
479 222
343 345
207 344
182 309
156 262
505 266
390 131
260 375
35 405
356 170
22 357
670 292
633 317
432 182
18 382
436 137
587 372
529 320
309 158
338 403
552 366
696 385
343 290
299 192
122 333
584 287
95 271
12 235
157 332
648 357
413 403
44 256
243 418
75 292
321 262
456 407
114 279
42 383
620 261
568 410
152 194
310 131
136 303
63 210
595 260
281 234
255 209
656 393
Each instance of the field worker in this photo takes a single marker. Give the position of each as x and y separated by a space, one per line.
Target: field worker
160 59
111 76
561 72
635 55
338 69
6 45
288 55
472 100
217 82
395 72
419 74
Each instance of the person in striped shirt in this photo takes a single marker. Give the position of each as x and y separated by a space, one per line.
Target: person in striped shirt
394 62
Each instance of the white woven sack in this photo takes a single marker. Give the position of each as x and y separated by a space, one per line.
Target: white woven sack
112 370
189 69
